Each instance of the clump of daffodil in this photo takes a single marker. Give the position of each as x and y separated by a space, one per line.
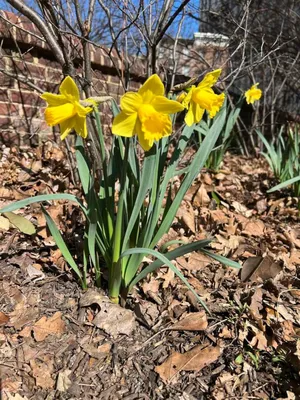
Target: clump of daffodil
201 98
66 110
146 113
253 94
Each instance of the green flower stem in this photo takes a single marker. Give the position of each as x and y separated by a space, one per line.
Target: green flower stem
116 266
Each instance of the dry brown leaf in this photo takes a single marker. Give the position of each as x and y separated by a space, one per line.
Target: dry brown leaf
241 209
193 360
15 396
226 244
192 322
187 216
92 296
254 228
258 267
291 261
4 223
168 278
63 381
151 286
197 261
256 304
51 326
115 320
22 315
201 198
218 216
95 352
3 318
231 227
42 368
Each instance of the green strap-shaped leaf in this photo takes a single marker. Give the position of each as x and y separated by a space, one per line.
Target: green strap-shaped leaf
44 197
131 279
284 184
196 165
61 243
145 184
165 261
83 165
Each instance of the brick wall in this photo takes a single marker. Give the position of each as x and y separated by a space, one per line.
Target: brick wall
28 56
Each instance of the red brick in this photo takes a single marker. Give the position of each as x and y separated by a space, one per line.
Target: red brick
115 79
5 122
49 63
8 109
26 98
10 137
48 87
4 95
6 81
31 112
115 89
55 75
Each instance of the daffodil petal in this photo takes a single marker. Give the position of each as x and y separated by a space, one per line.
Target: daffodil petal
57 115
82 111
189 117
198 112
152 87
210 79
131 102
188 97
124 124
69 89
166 106
65 128
54 99
146 144
253 94
80 126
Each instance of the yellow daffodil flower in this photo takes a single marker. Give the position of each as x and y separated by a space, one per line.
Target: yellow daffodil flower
253 94
146 113
203 98
65 109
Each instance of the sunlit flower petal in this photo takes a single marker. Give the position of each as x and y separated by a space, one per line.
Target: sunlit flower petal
124 124
131 102
146 144
210 79
151 88
253 94
69 89
80 126
59 114
64 109
203 98
54 99
189 117
146 113
166 106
